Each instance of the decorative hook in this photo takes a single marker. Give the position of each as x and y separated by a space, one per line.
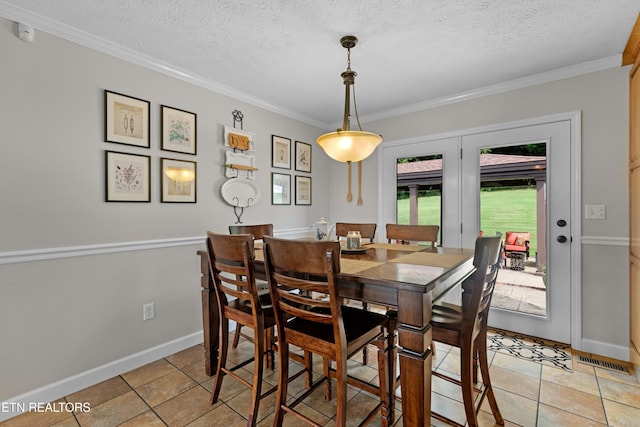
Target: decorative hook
237 208
238 215
237 117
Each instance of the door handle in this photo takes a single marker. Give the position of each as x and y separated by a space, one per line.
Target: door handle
561 239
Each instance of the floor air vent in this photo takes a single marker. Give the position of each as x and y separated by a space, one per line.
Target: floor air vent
602 364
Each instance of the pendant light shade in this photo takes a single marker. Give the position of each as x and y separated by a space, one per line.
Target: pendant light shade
349 145
346 145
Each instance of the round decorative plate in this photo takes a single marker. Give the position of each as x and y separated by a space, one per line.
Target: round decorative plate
240 192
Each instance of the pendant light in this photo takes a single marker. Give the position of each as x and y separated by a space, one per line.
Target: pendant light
346 145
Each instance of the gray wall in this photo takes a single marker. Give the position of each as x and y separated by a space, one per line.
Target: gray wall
70 314
82 309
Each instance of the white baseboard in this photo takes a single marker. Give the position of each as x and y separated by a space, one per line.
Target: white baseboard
54 391
600 348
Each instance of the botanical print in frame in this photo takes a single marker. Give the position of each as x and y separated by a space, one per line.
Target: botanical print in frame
280 189
126 119
178 130
303 156
280 152
178 181
303 190
127 177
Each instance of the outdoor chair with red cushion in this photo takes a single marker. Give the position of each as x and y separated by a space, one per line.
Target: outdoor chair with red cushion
517 242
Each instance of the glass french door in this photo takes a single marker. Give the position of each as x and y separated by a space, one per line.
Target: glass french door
395 191
509 180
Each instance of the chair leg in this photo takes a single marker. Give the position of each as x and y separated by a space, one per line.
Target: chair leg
269 352
466 380
259 356
341 393
484 369
386 374
222 359
365 353
283 382
308 366
326 368
476 360
236 336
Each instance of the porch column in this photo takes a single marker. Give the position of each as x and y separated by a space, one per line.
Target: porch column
413 204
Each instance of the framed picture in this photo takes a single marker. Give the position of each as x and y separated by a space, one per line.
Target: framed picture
303 157
280 189
127 177
303 190
178 130
178 181
280 152
126 119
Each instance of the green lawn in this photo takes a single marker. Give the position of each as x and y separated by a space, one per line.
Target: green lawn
501 210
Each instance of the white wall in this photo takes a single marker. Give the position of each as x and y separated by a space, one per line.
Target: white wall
603 99
78 305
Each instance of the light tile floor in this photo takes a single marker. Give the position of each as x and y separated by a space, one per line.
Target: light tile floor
174 391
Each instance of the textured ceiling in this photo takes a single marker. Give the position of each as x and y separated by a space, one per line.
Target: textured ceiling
286 53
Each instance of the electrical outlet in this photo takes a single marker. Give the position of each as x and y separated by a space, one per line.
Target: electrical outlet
148 311
594 211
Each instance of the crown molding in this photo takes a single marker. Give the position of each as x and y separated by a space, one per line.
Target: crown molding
88 40
83 38
536 79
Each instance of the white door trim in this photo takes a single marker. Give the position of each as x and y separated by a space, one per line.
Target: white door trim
575 119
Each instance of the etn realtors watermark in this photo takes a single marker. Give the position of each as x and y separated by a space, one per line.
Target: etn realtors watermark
15 407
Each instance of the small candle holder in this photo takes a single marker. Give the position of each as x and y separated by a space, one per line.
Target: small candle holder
353 240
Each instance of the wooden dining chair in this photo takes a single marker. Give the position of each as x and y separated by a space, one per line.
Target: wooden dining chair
295 270
367 230
466 329
231 268
258 231
402 233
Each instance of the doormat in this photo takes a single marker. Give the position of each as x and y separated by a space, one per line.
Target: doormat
545 352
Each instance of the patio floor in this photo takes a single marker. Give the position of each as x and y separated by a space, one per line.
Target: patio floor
521 290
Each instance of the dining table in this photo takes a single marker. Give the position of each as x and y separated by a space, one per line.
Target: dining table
403 277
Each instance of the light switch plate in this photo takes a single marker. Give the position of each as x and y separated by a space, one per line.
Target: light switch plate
148 311
594 211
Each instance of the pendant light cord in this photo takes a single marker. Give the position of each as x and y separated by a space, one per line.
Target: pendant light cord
355 105
353 89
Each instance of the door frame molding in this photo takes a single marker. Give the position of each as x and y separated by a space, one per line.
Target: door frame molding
575 119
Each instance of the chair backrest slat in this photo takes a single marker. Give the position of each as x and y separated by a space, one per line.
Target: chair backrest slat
367 230
414 233
258 231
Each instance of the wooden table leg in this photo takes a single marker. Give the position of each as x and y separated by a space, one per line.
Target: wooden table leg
210 321
414 338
